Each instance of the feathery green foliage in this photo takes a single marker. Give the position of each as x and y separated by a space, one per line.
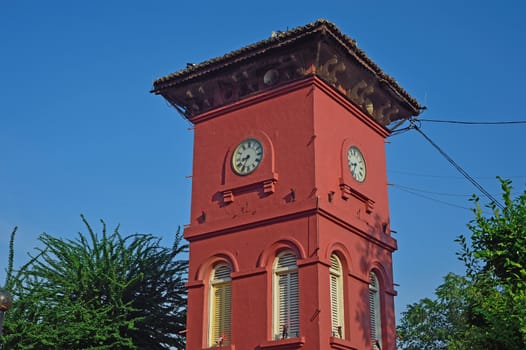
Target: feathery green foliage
10 259
100 292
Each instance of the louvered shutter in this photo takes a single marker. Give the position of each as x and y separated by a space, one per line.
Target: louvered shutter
286 261
287 296
222 273
293 309
374 309
336 297
221 306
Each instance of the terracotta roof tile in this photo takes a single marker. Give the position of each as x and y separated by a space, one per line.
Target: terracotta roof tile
279 39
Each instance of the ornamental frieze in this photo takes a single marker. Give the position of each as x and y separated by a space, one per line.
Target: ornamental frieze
284 59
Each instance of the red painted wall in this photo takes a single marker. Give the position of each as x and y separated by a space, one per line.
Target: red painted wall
305 128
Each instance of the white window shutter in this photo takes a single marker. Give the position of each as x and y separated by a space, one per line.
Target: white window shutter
375 311
336 289
286 261
286 297
294 317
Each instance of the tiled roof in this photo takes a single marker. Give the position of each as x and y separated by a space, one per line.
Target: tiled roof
281 39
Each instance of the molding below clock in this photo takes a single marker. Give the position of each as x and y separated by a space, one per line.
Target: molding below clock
267 184
347 191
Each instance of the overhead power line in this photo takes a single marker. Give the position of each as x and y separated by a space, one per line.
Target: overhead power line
400 131
454 177
408 188
431 198
473 122
458 167
462 122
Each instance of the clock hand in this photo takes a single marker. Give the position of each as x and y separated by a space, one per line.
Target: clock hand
245 160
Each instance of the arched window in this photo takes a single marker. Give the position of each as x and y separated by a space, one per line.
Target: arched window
286 296
375 312
220 305
337 313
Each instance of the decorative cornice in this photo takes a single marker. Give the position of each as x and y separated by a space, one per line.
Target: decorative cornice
318 49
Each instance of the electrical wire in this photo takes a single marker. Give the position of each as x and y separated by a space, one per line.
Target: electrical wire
454 177
458 167
400 131
430 192
473 122
432 199
427 175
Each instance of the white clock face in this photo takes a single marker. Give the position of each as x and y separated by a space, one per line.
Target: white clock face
356 164
247 156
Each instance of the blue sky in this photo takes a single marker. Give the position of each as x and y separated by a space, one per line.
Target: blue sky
80 132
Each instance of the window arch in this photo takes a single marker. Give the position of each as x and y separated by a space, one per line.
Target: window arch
285 296
375 312
336 289
220 315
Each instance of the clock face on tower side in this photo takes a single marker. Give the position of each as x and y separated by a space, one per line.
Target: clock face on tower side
356 162
247 156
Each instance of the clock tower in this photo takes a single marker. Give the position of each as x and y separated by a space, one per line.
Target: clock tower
290 244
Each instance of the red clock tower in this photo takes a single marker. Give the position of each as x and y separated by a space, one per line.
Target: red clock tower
290 244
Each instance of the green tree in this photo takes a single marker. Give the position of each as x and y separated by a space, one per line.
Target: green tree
486 309
99 292
495 260
430 324
498 242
